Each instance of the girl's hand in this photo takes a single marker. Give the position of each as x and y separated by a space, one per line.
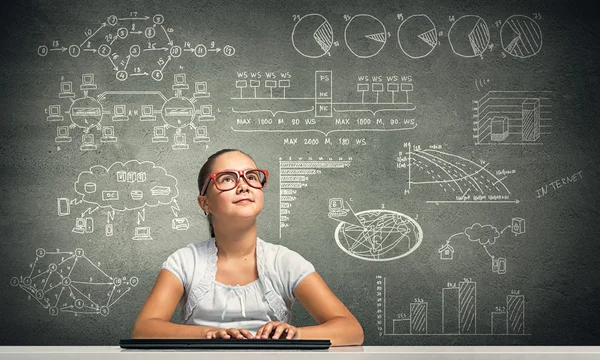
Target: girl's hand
231 333
276 330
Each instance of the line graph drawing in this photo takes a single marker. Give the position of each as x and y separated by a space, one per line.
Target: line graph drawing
459 179
521 36
512 118
374 235
69 281
133 45
91 113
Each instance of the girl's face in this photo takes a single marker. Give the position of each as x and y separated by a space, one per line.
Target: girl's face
243 201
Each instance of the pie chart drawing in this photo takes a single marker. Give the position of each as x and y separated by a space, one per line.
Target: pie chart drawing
312 36
365 35
417 36
521 36
469 36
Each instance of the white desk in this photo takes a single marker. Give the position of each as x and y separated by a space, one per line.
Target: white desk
335 353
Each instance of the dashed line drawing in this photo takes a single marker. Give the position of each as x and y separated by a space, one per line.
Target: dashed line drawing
270 97
469 36
417 36
521 36
294 175
312 36
69 282
87 113
459 312
365 35
374 235
123 187
486 236
512 118
131 44
461 180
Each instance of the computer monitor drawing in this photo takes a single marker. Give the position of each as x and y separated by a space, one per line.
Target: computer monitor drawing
159 134
108 134
147 113
87 79
54 113
62 134
206 113
66 90
180 142
119 113
87 142
142 233
336 207
201 90
201 134
179 82
87 82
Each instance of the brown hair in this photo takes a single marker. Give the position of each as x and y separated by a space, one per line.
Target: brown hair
205 172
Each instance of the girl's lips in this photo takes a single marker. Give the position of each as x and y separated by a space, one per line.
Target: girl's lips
242 200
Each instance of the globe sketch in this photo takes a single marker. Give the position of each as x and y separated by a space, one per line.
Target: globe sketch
379 235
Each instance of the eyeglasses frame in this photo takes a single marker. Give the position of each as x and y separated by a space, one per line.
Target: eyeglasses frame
240 173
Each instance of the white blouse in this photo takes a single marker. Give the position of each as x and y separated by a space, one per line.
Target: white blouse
207 302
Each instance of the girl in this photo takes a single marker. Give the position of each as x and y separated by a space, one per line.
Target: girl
236 285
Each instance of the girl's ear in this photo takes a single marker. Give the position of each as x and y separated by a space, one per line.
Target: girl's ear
203 202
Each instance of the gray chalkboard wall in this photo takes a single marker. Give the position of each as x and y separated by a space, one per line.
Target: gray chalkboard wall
433 160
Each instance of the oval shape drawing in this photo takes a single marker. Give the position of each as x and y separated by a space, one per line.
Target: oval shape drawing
469 36
521 36
379 235
312 36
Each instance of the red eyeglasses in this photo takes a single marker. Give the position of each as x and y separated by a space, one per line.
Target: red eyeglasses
228 180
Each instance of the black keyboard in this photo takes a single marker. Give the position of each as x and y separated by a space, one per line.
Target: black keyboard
264 344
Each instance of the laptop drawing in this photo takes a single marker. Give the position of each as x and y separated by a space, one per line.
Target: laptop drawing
62 134
201 134
180 143
147 113
108 135
159 134
201 90
268 344
142 233
87 82
66 90
206 113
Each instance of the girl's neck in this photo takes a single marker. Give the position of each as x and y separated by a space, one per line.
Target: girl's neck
233 242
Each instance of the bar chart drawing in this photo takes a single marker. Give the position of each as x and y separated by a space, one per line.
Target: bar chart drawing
459 313
512 118
294 175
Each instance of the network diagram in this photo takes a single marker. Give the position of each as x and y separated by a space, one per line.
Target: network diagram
278 101
486 236
122 187
134 46
374 235
417 35
96 116
70 282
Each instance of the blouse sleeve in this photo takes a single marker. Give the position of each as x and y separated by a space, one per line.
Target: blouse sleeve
179 264
293 268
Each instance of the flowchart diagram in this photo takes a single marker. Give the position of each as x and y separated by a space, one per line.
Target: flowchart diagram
134 46
133 186
70 282
374 235
264 104
486 235
96 116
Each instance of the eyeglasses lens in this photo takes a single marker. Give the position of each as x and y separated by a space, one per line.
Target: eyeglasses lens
229 180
